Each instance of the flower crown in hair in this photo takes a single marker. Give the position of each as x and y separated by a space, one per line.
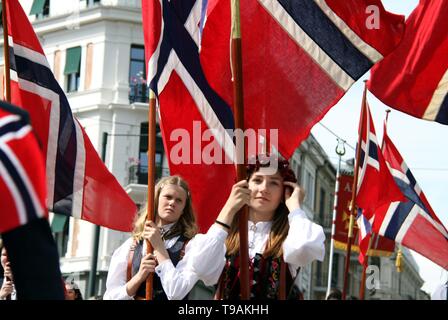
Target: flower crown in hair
264 160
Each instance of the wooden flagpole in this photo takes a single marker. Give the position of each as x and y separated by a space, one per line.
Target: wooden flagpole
6 54
237 67
150 214
362 287
354 189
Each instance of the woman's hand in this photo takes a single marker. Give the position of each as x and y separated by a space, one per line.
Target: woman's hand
147 265
294 199
6 289
8 273
239 196
152 234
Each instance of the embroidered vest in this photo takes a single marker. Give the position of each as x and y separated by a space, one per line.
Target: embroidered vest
176 253
264 279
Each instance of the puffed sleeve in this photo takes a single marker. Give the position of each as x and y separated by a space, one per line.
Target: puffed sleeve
116 277
304 243
204 260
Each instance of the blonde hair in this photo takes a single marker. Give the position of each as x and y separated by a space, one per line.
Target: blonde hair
186 225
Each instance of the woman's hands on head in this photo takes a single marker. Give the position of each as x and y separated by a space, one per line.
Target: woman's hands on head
294 195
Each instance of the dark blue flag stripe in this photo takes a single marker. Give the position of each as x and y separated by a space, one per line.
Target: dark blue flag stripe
399 216
442 115
20 185
308 15
177 38
67 142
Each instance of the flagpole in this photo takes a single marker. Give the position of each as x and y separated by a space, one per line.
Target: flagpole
362 287
150 214
6 53
237 67
354 189
340 153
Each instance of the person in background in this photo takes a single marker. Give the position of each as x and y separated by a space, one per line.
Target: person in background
72 291
7 291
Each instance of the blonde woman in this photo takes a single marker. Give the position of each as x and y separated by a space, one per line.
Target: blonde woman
177 260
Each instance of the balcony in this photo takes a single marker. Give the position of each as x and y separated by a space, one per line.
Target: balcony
138 92
139 174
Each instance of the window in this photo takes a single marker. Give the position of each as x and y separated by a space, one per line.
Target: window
140 170
137 75
60 229
40 8
309 188
72 69
322 206
91 3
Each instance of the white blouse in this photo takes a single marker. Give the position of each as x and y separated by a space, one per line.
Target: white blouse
204 257
204 260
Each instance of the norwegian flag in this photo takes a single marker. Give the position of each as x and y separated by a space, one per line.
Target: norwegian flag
78 183
411 222
299 58
419 65
23 214
22 182
188 104
375 185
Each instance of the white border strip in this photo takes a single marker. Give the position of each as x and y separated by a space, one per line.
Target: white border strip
334 71
366 49
437 99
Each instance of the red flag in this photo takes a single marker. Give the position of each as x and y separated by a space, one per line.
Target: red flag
188 105
380 246
78 183
375 185
22 182
290 79
299 58
411 222
414 77
23 214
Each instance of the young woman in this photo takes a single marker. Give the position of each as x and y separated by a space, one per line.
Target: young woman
177 260
281 237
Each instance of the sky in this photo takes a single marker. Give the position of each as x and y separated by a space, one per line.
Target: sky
421 143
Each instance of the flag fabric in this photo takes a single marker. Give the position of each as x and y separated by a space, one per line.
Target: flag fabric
411 222
188 105
380 246
299 58
78 183
364 235
290 79
22 182
23 215
414 77
375 185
